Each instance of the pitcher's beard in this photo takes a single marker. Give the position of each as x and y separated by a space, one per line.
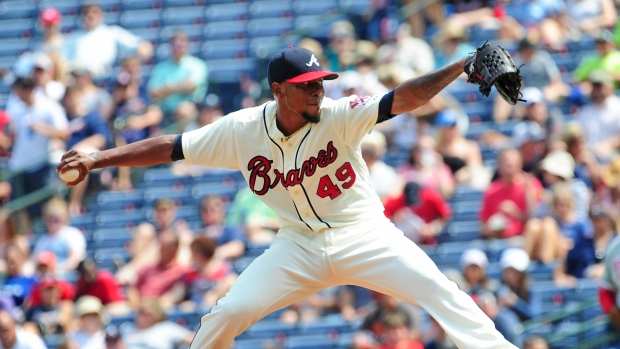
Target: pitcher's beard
311 118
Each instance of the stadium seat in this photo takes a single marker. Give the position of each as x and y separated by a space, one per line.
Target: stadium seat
180 3
355 7
479 111
193 32
319 341
466 210
183 16
112 18
271 8
226 12
269 27
315 7
107 238
13 47
115 200
111 258
464 193
242 263
141 19
316 26
179 194
151 34
162 176
17 28
66 7
217 49
330 324
229 70
14 9
140 4
253 343
224 30
119 218
199 191
270 329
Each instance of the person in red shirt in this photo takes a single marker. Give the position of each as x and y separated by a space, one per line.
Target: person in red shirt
421 213
97 283
509 200
155 281
46 264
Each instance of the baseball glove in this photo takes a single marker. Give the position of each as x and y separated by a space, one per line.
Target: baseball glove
492 66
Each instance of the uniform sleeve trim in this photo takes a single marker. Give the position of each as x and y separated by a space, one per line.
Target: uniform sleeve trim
385 107
177 148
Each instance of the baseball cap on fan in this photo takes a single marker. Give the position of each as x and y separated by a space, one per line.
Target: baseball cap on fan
296 65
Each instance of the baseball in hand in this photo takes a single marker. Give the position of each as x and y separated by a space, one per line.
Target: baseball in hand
70 175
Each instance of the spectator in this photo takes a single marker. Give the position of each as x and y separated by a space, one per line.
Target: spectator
601 118
397 334
506 322
96 99
590 16
559 166
43 76
608 194
535 342
113 338
93 282
604 233
210 111
229 239
474 263
155 281
90 333
426 167
408 52
51 316
382 176
452 42
145 245
463 156
514 293
97 47
183 78
154 331
606 59
17 283
574 243
529 138
210 279
46 270
488 14
53 40
10 235
312 308
37 120
437 338
14 337
386 306
89 133
133 119
509 200
421 213
67 243
340 51
610 284
537 110
133 66
259 220
587 167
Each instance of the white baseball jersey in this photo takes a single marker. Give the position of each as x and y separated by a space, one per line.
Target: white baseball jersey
314 180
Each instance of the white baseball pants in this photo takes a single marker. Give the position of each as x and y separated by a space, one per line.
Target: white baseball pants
374 255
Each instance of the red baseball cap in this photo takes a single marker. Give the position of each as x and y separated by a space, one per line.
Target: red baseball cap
50 15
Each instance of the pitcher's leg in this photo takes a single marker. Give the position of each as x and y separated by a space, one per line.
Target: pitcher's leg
282 275
388 262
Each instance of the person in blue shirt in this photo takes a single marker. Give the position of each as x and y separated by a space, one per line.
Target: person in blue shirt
576 243
514 293
230 240
16 284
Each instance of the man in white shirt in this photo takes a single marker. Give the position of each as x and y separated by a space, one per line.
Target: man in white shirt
35 122
601 118
96 47
13 337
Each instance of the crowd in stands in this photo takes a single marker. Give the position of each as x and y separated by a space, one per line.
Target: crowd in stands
550 189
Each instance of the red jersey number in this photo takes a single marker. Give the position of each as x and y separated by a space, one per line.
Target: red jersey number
344 174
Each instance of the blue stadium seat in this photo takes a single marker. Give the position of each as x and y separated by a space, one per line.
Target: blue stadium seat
199 191
116 200
355 7
186 212
463 193
111 258
180 3
112 18
164 51
183 16
466 210
225 177
316 26
216 49
253 343
479 111
83 222
18 9
107 238
565 62
242 263
16 28
224 30
149 34
162 176
315 7
271 8
141 19
328 325
270 27
178 194
228 70
227 12
255 250
13 47
119 218
319 341
460 231
66 7
6 63
140 4
70 23
110 5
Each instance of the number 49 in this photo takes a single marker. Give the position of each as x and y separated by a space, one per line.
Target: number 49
344 174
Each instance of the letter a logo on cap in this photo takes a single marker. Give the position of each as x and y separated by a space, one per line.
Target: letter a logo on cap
313 60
